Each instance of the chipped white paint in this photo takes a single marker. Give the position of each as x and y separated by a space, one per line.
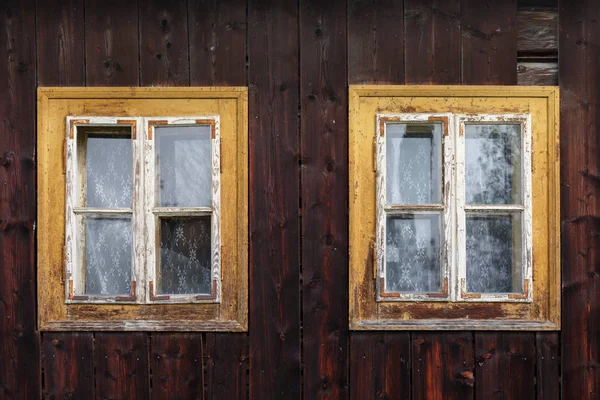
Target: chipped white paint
152 213
143 212
384 209
525 208
76 209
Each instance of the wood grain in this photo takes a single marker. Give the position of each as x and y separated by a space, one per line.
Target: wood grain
537 32
68 365
505 365
547 376
111 43
217 36
176 362
324 191
275 305
580 191
380 365
432 41
164 50
122 365
489 42
375 41
442 365
19 340
226 366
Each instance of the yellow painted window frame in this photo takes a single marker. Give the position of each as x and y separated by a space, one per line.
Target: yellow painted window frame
230 104
366 102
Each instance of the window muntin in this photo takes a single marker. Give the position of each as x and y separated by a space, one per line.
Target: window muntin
182 165
112 211
493 207
413 209
494 222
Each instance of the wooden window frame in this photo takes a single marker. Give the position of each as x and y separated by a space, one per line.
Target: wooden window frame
225 109
538 305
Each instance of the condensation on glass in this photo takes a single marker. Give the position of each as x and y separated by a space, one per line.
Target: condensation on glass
494 234
413 235
104 210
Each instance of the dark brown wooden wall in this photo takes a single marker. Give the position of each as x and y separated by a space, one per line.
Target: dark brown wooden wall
297 58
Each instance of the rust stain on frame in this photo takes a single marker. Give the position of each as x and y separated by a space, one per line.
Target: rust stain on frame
212 295
211 122
130 297
443 120
466 295
72 296
525 294
133 124
152 296
444 292
74 123
152 125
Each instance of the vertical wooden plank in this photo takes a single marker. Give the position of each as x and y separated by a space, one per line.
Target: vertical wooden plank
176 362
121 361
274 190
111 43
379 362
59 43
324 194
380 365
164 57
217 42
505 366
547 381
579 36
376 41
68 365
442 365
432 42
489 42
227 366
19 340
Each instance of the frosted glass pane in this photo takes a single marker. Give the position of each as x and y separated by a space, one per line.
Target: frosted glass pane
108 166
494 253
413 163
413 253
185 256
183 166
493 164
107 255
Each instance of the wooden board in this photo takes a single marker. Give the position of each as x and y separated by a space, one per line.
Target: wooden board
380 365
547 376
226 366
275 370
324 122
19 340
580 211
432 41
68 365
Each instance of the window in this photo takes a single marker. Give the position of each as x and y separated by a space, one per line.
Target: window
461 211
150 205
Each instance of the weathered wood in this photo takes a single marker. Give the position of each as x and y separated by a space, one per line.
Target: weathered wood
547 381
324 121
59 43
19 340
122 367
274 190
537 32
217 35
380 365
432 41
537 74
68 365
505 365
164 57
375 41
226 366
176 363
580 207
489 42
111 43
442 365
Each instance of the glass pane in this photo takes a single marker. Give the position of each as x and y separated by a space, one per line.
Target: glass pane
413 253
414 163
185 256
493 164
107 255
183 166
108 170
494 253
